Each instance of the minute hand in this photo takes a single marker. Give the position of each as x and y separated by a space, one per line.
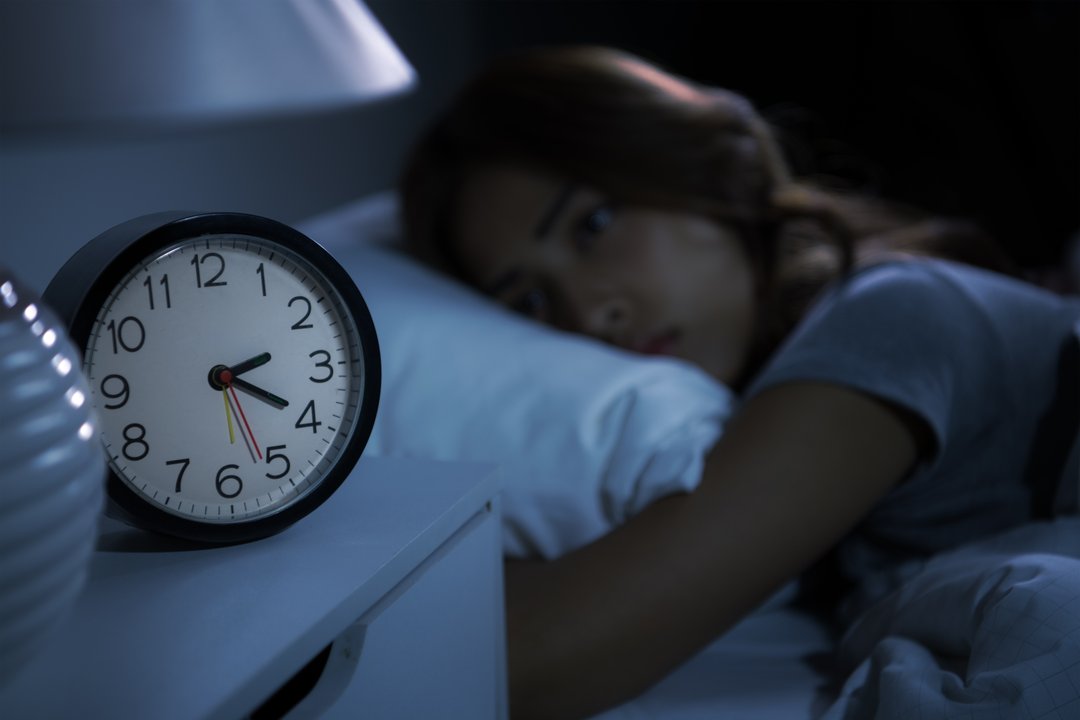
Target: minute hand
259 392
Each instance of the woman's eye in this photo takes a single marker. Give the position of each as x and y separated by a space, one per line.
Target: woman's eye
592 224
532 304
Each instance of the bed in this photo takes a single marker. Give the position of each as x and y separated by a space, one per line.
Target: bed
987 631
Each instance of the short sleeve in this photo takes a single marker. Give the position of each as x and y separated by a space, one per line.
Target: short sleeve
901 332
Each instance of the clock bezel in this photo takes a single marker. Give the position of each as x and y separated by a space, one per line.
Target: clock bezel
82 286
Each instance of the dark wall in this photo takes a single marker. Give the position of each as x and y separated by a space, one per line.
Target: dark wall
964 108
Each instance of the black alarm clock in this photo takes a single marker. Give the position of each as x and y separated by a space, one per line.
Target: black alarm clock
233 365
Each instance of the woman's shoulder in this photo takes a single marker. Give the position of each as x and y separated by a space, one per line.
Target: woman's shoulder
934 276
911 328
942 292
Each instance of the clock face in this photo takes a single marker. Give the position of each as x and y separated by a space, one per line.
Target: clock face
229 375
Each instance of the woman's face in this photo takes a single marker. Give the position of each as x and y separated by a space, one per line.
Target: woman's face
651 281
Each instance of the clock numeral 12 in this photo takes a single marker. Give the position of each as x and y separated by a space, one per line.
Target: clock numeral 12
197 261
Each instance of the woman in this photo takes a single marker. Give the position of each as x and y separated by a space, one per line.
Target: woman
891 404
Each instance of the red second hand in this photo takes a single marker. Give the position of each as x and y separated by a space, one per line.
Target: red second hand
241 409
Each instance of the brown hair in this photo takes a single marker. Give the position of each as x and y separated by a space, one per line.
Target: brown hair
608 119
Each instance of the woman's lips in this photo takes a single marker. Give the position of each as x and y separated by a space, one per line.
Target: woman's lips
662 344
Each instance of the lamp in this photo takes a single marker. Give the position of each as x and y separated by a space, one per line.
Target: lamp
108 64
103 66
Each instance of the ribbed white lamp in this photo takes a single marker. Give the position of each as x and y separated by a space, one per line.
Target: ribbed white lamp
115 64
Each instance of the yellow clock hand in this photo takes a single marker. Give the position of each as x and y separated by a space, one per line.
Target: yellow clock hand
245 425
228 416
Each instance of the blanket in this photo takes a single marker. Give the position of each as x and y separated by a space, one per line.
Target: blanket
991 630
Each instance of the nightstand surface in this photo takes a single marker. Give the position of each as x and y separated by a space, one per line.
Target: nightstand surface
166 631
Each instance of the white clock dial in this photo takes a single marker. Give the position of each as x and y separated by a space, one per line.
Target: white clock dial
227 375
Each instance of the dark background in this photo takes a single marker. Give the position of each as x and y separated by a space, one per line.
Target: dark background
963 108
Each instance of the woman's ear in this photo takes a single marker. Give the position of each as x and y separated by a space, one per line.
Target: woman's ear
795 206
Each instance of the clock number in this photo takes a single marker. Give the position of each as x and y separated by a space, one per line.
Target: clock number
134 436
164 282
324 364
121 396
300 324
262 278
221 480
271 456
314 424
198 260
183 463
118 334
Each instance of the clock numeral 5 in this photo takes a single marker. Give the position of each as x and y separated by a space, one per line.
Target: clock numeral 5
271 456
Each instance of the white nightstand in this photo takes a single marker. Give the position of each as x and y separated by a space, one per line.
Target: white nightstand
392 588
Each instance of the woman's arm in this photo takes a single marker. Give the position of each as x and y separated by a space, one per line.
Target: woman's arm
799 466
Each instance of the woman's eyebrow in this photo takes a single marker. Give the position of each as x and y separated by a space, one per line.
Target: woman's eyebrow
548 219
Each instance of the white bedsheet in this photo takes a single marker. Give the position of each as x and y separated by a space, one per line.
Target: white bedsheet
988 631
765 668
991 630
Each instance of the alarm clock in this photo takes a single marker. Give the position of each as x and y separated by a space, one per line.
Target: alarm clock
233 365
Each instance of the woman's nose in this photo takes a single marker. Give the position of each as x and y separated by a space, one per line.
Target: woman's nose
603 316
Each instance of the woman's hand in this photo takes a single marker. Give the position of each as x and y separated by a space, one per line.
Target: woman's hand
798 467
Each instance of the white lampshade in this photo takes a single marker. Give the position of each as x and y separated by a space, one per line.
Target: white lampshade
78 64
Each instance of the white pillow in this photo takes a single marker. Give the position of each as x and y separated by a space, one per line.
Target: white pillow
587 435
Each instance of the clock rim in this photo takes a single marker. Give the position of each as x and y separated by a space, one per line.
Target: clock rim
79 289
